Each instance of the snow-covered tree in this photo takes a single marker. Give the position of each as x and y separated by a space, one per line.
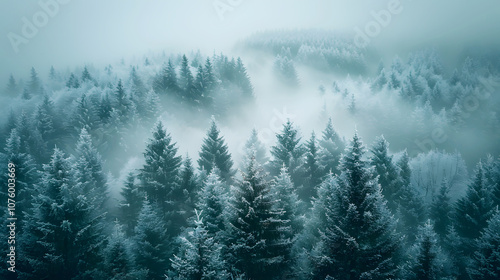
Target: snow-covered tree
313 171
359 240
486 259
385 169
331 146
131 204
214 153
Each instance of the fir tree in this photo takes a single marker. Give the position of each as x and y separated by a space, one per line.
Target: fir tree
160 174
73 82
64 234
486 259
118 262
243 81
131 204
151 247
359 241
214 153
427 259
199 255
385 169
34 85
89 174
86 75
187 190
331 147
166 81
441 210
12 87
256 243
288 152
186 81
212 203
313 171
255 148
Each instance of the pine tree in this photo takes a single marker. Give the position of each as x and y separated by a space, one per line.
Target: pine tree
160 174
131 204
45 121
12 89
441 210
359 241
186 81
486 260
242 79
118 262
199 255
313 171
34 85
473 211
151 247
64 233
187 190
73 82
210 83
86 75
331 147
288 152
385 169
426 259
255 148
212 203
256 243
89 174
31 139
287 202
214 153
166 80
123 105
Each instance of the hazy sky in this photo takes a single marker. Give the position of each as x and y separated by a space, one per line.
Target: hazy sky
94 31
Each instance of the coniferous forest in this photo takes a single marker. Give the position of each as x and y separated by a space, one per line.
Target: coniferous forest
297 154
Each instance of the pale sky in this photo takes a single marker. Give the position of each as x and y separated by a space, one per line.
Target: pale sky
94 31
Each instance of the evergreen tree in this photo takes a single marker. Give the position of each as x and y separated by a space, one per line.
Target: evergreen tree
331 147
64 233
313 171
131 204
46 122
86 75
210 83
31 139
118 258
89 174
243 81
73 82
186 81
385 169
441 210
287 202
256 244
212 203
166 80
199 255
486 259
34 85
12 89
187 190
151 247
160 174
359 241
255 148
474 209
214 153
288 152
123 106
426 259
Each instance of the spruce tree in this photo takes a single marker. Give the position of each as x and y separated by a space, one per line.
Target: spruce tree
34 84
12 89
199 256
243 80
313 171
160 174
151 247
131 204
441 210
474 209
212 203
255 240
255 148
214 153
385 169
289 152
89 174
359 240
331 147
486 259
186 81
64 233
86 75
426 259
